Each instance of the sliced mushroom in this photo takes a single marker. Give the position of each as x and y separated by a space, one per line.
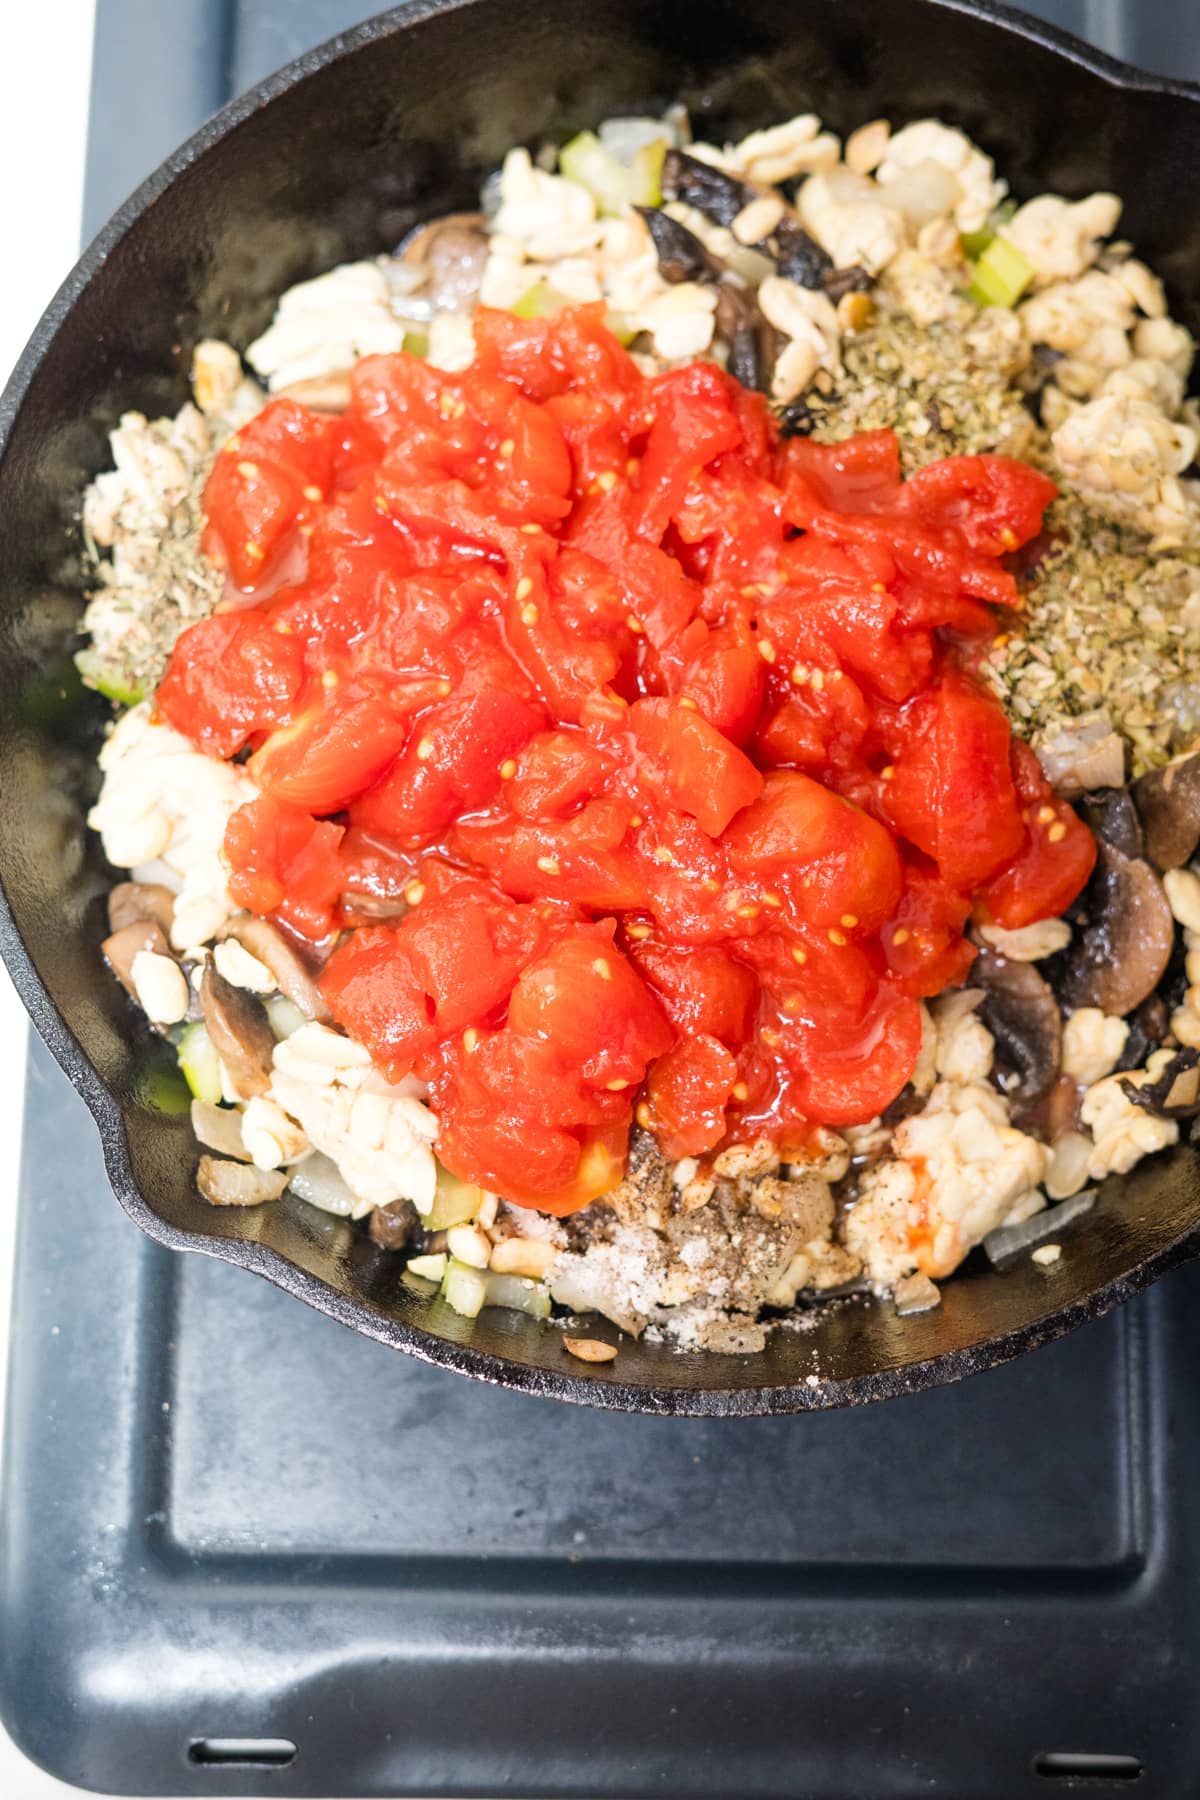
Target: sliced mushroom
292 976
358 906
122 946
1124 938
711 191
1149 1024
241 1031
394 1226
851 280
238 1184
1060 1115
1169 803
681 255
799 257
133 902
320 393
753 341
1022 1015
1176 1093
454 251
1113 816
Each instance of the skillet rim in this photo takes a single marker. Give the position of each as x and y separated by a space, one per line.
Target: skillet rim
314 1290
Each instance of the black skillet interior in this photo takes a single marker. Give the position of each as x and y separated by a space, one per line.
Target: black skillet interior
335 159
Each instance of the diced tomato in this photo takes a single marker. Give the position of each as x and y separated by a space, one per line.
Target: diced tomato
702 989
630 749
284 862
855 1079
587 999
923 944
453 762
232 675
951 791
275 470
994 503
687 1091
1055 860
691 765
555 772
373 988
724 674
839 864
694 421
333 752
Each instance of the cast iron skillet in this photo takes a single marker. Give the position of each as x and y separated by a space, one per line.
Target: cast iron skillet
334 158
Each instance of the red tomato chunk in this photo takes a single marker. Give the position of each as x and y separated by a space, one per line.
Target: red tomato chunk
630 752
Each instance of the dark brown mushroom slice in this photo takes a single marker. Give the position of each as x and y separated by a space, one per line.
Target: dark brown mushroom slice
133 902
851 280
1113 816
394 1226
1176 1092
1124 936
240 1030
1168 801
120 948
292 975
798 256
753 341
681 255
1019 1009
1149 1024
720 197
238 1184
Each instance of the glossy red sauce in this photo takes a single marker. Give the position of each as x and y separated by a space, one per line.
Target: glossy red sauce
633 749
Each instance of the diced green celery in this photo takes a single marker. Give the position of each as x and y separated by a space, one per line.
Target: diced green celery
539 301
646 174
454 1202
586 162
416 340
429 1268
285 1015
111 686
974 243
614 185
200 1064
1001 275
519 1293
464 1289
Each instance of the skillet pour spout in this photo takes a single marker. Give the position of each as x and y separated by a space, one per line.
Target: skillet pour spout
338 157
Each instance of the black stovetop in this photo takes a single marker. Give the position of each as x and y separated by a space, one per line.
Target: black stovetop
225 1518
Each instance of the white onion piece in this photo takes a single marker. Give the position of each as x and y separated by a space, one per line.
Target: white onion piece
219 1128
317 1180
623 138
923 192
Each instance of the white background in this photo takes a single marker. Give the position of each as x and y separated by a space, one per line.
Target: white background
45 68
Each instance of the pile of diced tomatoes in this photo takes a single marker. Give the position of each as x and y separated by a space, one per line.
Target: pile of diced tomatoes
630 753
